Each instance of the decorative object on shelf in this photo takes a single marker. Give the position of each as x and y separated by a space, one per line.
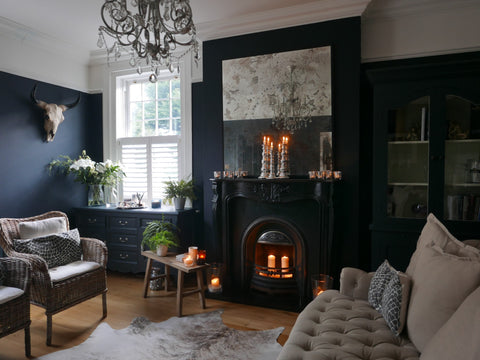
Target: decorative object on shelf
193 253
455 132
95 195
320 283
156 204
188 261
215 278
53 116
159 235
179 191
292 113
89 172
152 35
284 171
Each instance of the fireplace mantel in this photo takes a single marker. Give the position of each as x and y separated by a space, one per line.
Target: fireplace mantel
304 205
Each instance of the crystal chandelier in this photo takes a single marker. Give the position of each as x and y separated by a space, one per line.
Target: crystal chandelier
150 35
292 113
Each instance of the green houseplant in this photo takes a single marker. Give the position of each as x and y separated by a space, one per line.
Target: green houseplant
159 235
179 191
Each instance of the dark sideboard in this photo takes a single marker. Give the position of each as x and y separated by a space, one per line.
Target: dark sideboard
122 232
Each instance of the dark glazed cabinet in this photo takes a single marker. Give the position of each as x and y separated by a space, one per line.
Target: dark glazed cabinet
426 152
122 231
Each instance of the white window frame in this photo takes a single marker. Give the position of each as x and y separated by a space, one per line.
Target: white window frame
114 112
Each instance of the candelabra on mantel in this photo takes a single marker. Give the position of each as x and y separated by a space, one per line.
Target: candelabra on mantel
267 170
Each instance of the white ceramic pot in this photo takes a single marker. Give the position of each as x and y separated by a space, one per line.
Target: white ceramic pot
162 250
179 203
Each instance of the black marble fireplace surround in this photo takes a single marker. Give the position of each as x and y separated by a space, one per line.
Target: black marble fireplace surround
284 217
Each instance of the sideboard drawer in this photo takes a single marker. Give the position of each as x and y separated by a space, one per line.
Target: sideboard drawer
145 222
123 222
92 219
122 239
122 255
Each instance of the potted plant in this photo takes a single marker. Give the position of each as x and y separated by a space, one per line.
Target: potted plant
179 191
159 235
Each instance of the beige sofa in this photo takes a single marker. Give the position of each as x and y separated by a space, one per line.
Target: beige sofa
439 315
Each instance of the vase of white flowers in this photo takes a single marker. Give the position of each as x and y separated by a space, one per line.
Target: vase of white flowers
100 177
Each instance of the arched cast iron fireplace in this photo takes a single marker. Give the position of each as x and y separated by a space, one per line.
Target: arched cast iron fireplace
273 255
255 219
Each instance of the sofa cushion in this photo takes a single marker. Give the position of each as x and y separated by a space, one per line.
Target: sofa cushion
458 337
335 326
378 284
395 302
435 233
67 271
8 293
440 283
56 249
33 229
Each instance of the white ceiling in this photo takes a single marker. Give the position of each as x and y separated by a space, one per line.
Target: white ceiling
77 21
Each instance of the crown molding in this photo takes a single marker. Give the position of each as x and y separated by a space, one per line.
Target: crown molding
385 10
313 12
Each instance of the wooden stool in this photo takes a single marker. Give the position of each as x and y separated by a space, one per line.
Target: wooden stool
171 261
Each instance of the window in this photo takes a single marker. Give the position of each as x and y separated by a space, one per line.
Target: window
152 132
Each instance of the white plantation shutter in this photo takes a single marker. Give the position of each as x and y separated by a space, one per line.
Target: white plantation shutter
164 166
149 162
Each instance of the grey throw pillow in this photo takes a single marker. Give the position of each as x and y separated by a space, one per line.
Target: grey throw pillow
56 249
379 283
392 303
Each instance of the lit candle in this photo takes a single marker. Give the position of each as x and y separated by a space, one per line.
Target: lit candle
188 261
271 261
215 282
193 252
264 140
284 263
202 257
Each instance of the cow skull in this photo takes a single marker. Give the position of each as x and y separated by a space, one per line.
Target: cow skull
53 114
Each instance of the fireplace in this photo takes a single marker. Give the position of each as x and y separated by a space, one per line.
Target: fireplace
273 235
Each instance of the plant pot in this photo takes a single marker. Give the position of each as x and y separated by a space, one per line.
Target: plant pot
162 250
179 203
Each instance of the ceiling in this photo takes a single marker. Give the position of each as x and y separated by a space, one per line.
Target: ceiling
76 22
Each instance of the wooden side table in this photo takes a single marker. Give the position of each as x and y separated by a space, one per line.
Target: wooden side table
170 261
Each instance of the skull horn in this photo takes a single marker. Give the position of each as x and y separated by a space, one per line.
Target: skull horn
75 103
32 94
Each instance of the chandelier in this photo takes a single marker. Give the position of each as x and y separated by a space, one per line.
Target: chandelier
150 35
292 113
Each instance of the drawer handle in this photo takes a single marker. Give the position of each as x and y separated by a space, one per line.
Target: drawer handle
123 223
92 221
123 256
123 240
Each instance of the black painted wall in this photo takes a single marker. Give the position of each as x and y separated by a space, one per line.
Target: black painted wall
26 188
351 221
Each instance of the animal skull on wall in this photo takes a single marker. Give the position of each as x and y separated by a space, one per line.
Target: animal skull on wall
53 114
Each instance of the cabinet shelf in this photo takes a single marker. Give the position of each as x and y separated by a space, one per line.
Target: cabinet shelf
475 185
405 142
407 184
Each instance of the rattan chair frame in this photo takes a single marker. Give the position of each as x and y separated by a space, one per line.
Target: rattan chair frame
61 295
15 314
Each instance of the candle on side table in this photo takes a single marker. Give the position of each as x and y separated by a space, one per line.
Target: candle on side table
188 261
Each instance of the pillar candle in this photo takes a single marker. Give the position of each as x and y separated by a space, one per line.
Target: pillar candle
284 262
271 261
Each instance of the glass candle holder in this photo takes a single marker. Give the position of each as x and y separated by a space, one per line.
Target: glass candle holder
215 278
193 253
202 257
320 283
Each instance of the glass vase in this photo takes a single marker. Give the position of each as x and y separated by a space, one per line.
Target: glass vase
95 195
111 195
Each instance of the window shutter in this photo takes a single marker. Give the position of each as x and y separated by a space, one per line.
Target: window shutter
164 166
134 158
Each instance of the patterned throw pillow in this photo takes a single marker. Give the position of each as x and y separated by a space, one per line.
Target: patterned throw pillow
392 303
378 284
56 249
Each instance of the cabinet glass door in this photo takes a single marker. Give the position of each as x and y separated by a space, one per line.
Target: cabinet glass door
462 160
408 147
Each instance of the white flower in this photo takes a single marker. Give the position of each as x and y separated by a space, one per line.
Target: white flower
82 164
101 167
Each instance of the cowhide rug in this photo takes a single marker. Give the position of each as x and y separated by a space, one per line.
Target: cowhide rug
196 337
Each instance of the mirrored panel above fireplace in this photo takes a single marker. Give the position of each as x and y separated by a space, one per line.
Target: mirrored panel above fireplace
277 95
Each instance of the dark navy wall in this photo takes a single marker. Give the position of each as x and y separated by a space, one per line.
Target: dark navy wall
351 221
26 188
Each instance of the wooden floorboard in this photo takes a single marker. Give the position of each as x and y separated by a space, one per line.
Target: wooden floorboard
125 302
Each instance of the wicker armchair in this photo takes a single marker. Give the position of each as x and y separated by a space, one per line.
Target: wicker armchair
56 296
15 313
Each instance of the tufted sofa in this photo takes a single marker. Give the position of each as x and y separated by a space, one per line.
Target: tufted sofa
442 321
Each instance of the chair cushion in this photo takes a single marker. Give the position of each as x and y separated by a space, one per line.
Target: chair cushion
33 229
56 249
435 233
64 272
440 283
8 293
335 326
458 337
